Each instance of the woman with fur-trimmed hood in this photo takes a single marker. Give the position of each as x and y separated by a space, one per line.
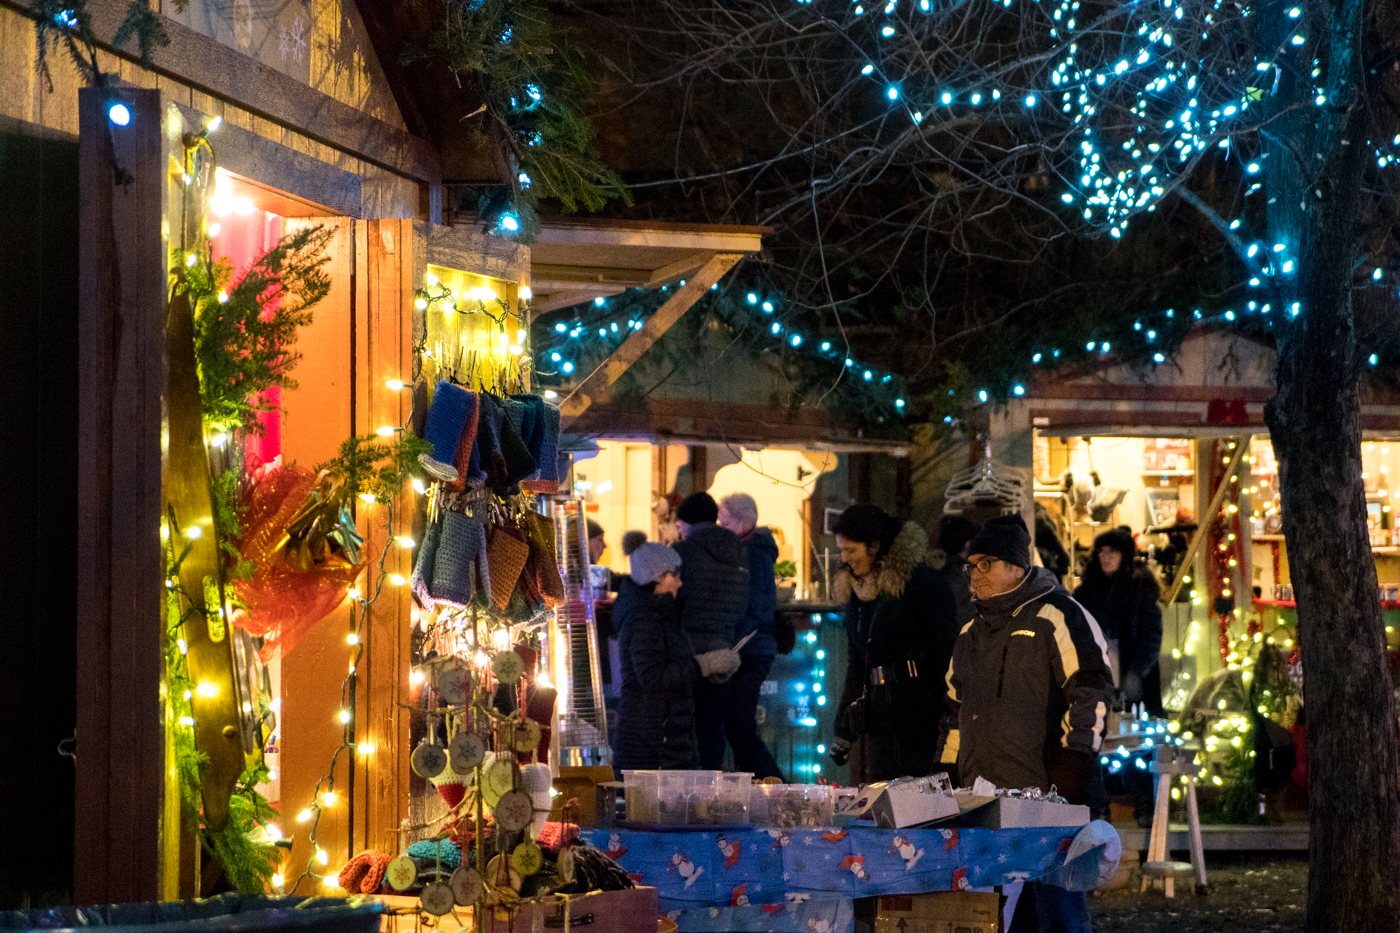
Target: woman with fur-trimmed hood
901 623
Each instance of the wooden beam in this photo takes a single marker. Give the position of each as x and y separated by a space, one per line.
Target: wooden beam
224 73
122 262
1197 539
598 381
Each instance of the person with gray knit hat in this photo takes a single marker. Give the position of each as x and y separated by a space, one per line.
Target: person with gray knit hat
656 713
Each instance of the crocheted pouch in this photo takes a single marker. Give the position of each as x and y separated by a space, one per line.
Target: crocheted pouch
462 540
421 582
451 407
506 554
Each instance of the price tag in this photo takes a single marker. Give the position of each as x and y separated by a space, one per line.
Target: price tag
402 873
527 736
465 752
514 811
466 886
437 898
527 858
508 667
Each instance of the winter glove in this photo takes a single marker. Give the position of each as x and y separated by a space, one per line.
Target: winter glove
1072 774
840 752
719 665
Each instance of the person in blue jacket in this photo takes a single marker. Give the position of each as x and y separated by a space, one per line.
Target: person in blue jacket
739 513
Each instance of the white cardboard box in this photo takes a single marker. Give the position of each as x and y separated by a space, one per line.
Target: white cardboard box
1018 812
898 806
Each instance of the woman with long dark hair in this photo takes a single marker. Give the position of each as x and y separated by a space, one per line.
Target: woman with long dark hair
901 622
1122 595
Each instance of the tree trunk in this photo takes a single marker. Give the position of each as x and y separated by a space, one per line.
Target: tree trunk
1354 846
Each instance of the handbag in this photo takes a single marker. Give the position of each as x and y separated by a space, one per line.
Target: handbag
784 632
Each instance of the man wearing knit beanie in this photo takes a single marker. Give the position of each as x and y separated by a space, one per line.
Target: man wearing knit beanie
1028 693
716 594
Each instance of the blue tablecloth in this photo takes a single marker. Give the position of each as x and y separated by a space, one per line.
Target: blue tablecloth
802 881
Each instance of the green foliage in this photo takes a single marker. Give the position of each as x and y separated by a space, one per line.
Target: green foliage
65 26
373 465
1238 798
244 336
227 523
785 569
247 861
532 91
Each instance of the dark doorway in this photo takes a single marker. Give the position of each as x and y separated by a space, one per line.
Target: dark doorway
38 513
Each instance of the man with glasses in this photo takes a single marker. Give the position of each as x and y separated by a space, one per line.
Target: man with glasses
1028 693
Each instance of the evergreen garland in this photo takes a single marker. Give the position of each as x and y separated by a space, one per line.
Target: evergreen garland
244 336
532 90
248 861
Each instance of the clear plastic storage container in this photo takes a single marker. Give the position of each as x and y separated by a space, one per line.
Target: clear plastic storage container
640 788
788 806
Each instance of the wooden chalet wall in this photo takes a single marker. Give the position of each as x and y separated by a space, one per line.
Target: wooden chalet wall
326 144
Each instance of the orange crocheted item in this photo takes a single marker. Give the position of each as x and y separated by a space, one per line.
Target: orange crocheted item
506 554
364 873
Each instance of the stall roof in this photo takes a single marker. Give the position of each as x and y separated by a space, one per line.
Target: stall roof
577 260
1217 384
693 421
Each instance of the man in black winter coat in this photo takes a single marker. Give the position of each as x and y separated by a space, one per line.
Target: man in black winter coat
712 608
1028 693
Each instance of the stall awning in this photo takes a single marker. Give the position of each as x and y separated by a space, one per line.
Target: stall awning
687 421
577 260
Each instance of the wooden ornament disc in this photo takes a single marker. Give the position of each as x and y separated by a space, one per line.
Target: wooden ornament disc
502 875
465 752
527 736
454 685
498 779
437 898
466 886
402 873
428 761
514 811
508 667
527 858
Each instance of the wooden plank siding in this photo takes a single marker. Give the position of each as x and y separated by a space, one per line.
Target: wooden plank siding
122 274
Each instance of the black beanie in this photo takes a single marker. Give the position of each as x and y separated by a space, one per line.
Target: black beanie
1005 538
697 508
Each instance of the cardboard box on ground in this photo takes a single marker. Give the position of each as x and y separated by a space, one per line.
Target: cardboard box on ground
631 911
939 912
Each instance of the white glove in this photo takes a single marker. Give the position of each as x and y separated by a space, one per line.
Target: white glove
719 665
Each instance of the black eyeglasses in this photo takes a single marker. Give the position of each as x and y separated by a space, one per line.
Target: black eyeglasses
984 566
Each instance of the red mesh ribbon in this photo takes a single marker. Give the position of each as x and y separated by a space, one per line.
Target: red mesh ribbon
283 601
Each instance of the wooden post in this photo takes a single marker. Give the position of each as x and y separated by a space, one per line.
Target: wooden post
594 387
858 478
123 290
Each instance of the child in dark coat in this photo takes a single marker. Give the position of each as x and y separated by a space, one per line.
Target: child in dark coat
656 715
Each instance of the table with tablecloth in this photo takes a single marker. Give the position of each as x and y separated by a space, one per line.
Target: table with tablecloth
803 880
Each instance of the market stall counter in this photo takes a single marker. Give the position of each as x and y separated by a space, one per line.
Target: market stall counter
804 880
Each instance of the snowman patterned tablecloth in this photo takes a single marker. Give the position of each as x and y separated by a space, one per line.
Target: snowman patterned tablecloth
803 880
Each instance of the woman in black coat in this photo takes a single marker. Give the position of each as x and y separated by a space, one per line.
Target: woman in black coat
901 623
656 715
1122 595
